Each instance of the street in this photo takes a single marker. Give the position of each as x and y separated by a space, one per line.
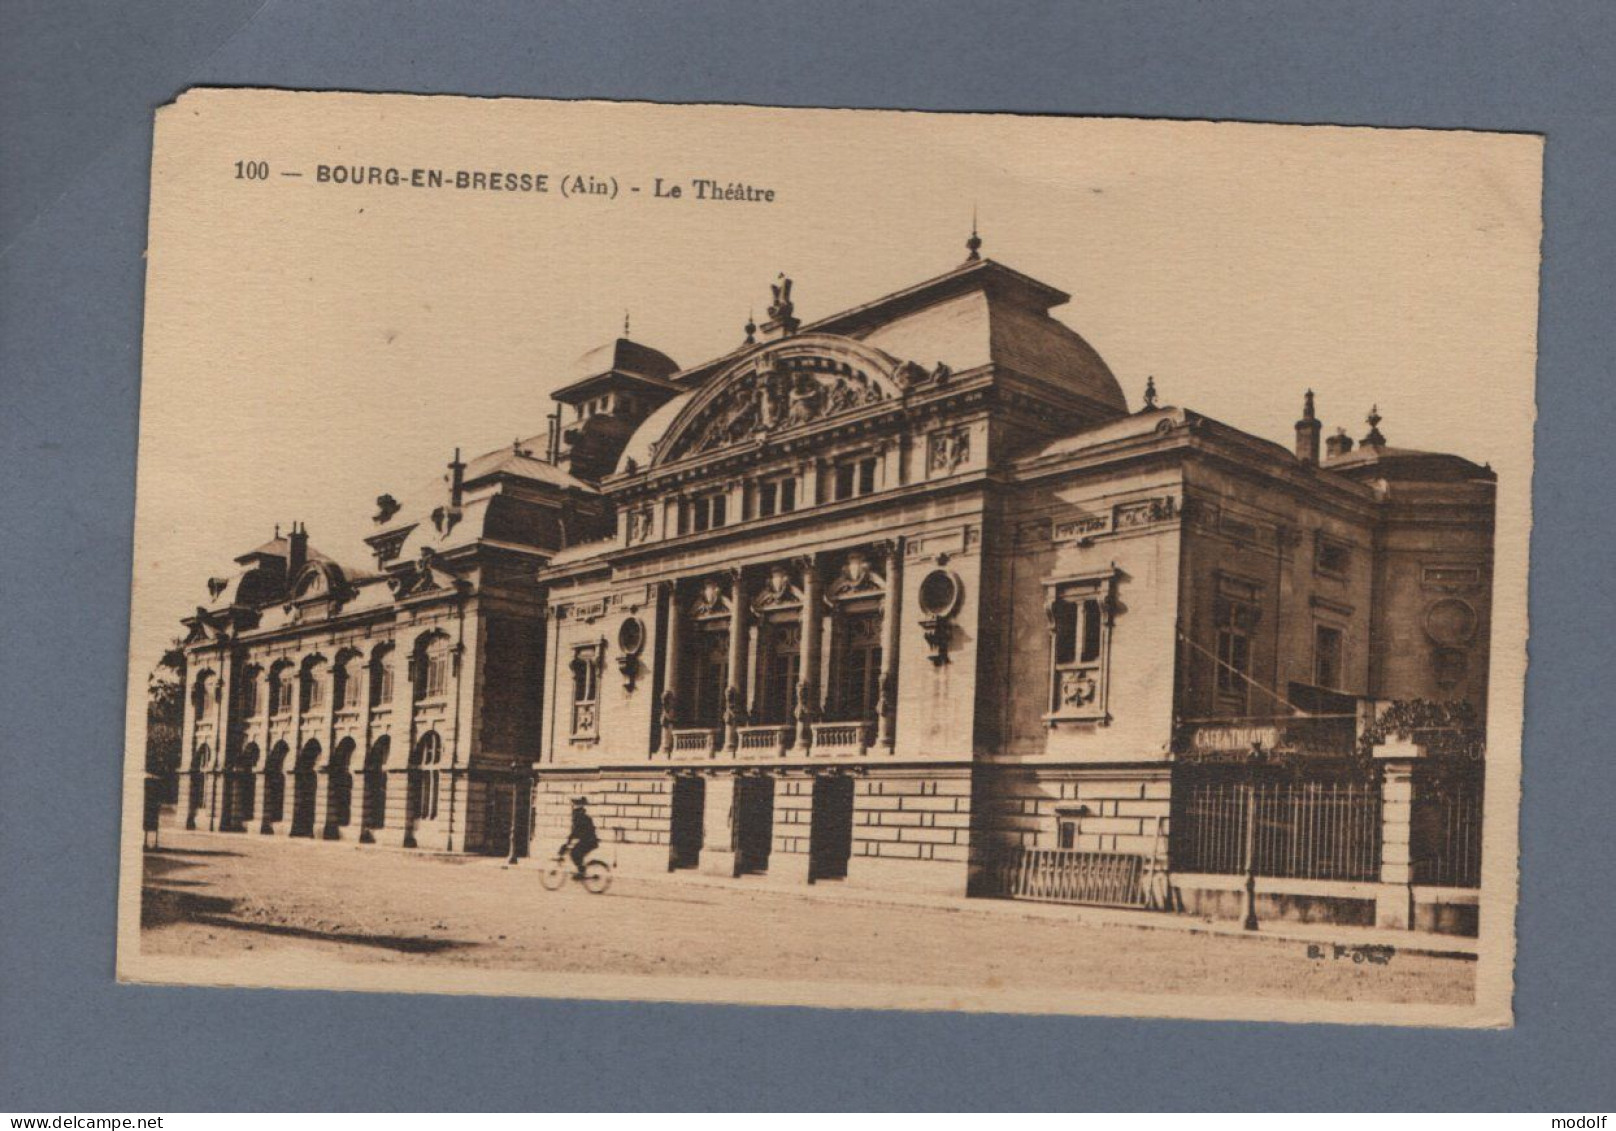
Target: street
220 895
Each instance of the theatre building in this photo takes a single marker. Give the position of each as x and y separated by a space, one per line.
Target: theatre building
906 596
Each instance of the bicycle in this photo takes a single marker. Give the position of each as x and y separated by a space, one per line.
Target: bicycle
596 879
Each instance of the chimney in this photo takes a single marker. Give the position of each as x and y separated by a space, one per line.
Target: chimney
457 479
552 447
297 555
1307 433
1338 445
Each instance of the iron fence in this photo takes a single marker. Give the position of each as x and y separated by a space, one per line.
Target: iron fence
1445 837
1315 830
1058 875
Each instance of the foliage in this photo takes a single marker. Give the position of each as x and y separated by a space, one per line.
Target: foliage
165 711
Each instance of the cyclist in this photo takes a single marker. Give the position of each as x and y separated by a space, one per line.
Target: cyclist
582 839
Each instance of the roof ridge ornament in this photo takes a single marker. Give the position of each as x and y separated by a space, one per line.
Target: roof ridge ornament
1374 439
973 246
1150 394
782 320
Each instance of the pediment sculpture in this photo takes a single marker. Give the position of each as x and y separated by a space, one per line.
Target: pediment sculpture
783 393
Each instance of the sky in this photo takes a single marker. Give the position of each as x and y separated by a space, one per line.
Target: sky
309 346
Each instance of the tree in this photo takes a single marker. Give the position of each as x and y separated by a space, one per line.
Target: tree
165 711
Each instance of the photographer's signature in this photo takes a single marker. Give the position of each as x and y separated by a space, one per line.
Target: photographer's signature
1378 955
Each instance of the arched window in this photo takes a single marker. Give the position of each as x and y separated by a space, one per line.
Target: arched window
426 761
381 676
344 684
280 688
250 699
312 689
202 694
432 668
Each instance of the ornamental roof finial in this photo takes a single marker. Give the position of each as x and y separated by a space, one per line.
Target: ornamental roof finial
1307 406
751 329
1374 439
1150 393
974 244
625 324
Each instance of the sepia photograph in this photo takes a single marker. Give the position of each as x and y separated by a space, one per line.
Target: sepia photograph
851 559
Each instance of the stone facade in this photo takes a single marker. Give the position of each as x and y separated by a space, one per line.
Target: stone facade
882 598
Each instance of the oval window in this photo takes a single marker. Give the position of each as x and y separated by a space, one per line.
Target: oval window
1451 622
631 637
940 593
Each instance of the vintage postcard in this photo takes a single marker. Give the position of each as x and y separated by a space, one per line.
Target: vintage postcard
834 558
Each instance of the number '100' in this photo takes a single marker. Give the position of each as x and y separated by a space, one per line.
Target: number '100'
252 170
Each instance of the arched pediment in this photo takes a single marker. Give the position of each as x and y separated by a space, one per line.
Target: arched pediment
318 579
793 383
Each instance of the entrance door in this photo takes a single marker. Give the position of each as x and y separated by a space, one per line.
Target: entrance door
497 819
689 804
831 830
754 824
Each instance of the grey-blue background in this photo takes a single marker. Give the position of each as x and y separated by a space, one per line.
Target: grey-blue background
79 84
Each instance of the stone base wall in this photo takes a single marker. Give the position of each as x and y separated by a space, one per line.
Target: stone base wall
1111 810
910 828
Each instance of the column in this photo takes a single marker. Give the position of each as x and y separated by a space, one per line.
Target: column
221 741
886 711
1394 903
327 738
718 827
670 666
735 692
808 669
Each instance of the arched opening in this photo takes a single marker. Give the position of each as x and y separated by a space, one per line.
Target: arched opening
274 787
373 815
424 780
241 790
305 788
201 763
339 790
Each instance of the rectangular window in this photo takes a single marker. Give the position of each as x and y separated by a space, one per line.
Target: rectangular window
1234 663
1331 556
853 478
705 512
776 496
1327 657
586 691
1079 622
856 667
1068 834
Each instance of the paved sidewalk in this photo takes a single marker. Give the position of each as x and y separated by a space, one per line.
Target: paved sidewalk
1275 930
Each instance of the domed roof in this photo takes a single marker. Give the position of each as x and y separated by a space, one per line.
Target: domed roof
624 356
638 448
